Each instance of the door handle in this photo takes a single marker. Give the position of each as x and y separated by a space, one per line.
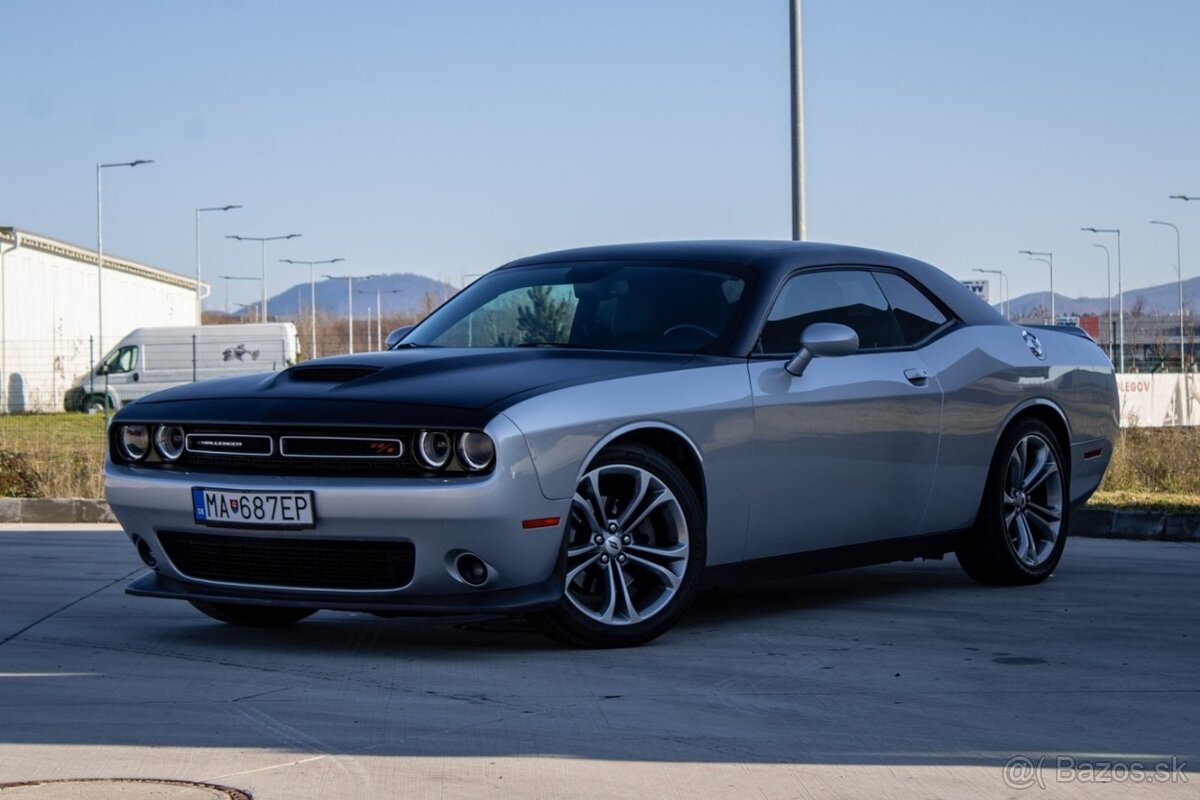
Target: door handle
917 377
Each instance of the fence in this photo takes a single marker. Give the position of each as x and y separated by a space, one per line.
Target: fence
1159 400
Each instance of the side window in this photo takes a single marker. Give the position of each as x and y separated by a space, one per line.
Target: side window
915 313
847 297
124 360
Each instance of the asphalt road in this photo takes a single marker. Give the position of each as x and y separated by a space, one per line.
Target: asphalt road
899 681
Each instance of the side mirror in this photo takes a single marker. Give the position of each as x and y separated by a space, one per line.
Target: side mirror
826 339
395 336
101 369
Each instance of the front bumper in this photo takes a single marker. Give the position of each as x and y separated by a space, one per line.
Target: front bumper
498 601
440 517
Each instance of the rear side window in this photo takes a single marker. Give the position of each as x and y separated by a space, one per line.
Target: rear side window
915 313
847 297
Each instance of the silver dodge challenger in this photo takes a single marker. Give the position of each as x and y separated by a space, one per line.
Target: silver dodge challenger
587 437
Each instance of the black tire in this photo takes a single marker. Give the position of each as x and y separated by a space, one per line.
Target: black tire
657 556
1027 487
252 616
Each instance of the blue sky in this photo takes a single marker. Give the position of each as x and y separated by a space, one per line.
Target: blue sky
447 137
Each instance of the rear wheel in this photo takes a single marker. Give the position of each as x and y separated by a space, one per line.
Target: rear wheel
1022 525
635 550
252 616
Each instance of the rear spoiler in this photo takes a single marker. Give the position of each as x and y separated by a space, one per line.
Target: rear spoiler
1074 330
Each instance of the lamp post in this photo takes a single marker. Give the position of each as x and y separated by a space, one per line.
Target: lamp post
100 262
1108 291
1179 275
1120 292
379 308
199 296
312 291
1003 286
799 218
227 279
1185 198
1035 255
262 240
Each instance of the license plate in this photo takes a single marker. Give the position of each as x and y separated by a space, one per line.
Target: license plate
253 509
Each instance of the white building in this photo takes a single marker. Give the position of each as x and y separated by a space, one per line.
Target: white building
50 294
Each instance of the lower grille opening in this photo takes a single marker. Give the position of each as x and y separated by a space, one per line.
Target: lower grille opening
298 563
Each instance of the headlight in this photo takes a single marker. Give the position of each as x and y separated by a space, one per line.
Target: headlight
168 441
133 441
434 448
476 450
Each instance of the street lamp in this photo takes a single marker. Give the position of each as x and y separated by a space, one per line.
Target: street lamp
1034 255
263 241
199 297
227 279
1108 290
1003 286
799 211
1179 274
1120 292
379 308
312 291
100 262
1185 198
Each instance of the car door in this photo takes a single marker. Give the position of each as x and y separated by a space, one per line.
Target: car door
846 452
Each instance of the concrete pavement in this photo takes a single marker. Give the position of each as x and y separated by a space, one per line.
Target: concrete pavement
904 680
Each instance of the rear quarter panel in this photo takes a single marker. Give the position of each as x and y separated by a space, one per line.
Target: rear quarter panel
989 378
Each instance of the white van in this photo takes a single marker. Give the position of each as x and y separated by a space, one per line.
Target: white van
150 359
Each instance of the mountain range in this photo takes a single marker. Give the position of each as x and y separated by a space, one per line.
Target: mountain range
1153 300
403 293
407 293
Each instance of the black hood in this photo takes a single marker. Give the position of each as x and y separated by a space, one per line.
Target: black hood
419 386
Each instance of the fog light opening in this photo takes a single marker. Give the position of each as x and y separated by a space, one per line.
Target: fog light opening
471 569
144 552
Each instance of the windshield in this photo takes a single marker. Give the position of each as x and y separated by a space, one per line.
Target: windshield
671 308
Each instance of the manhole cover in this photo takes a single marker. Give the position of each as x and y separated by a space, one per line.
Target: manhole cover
119 789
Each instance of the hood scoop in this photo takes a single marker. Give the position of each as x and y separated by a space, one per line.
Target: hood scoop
331 373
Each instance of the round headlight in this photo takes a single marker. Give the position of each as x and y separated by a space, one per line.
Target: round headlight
434 448
476 450
133 441
168 441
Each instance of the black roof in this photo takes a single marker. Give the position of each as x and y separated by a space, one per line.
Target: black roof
775 259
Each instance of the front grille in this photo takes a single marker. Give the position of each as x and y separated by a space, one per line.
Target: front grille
339 447
309 450
346 452
297 563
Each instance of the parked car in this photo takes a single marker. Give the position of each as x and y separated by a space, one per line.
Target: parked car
583 436
151 359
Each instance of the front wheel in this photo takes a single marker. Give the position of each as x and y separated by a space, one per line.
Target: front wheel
252 616
635 550
1022 526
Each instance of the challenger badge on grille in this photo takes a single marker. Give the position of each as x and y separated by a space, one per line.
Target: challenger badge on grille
229 444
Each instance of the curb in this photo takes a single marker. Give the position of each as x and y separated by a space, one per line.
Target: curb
54 510
1115 523
1096 523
